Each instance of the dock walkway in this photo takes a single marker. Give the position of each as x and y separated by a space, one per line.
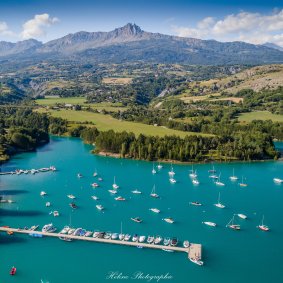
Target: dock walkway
192 250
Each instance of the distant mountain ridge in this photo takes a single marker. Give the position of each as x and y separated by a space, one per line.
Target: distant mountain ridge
131 43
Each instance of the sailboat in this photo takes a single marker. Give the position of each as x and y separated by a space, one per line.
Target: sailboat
218 182
171 172
95 173
233 226
66 230
153 171
159 166
262 226
212 170
193 173
233 177
219 204
195 181
242 184
121 235
153 194
115 186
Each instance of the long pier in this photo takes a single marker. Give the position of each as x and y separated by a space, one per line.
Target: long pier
193 251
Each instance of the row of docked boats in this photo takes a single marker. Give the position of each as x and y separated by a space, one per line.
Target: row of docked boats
30 171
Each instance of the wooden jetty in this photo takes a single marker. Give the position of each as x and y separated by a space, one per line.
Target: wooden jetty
193 251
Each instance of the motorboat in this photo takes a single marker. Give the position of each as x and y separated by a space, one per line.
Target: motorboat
71 231
77 232
174 242
66 239
88 233
43 193
277 180
71 196
55 213
120 198
65 230
136 192
136 219
141 239
114 236
212 224
99 207
95 234
79 175
172 181
155 210
112 191
48 228
196 203
195 181
13 270
95 185
150 239
47 204
33 228
157 240
166 241
243 216
95 197
127 237
169 220
73 205
107 235
196 260
135 238
186 244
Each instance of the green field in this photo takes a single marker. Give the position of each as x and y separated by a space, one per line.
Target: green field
260 115
52 101
106 122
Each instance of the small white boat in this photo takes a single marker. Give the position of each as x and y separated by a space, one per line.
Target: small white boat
48 228
112 191
193 173
136 192
219 204
218 182
171 172
47 204
95 173
71 231
262 226
158 240
150 239
277 180
155 210
172 181
88 234
196 203
186 244
95 185
71 196
169 220
55 213
195 182
213 176
212 224
159 166
135 238
79 175
233 177
95 234
127 237
243 216
120 198
136 219
153 194
141 239
43 193
196 260
100 179
94 197
99 207
65 230
166 241
114 236
115 186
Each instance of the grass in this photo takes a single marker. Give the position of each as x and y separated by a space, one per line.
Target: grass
52 101
119 81
260 115
106 122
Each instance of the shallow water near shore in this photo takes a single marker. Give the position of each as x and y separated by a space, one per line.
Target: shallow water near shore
248 255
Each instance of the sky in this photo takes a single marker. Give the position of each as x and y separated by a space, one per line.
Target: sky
224 20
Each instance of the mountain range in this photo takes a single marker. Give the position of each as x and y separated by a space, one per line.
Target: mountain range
131 43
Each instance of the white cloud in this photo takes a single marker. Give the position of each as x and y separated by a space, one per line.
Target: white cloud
35 27
250 27
4 29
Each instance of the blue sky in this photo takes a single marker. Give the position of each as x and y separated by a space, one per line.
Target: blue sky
250 20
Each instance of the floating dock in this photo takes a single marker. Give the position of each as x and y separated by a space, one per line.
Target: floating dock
193 251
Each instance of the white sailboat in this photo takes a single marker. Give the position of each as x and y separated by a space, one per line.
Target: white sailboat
153 193
242 184
121 235
172 180
153 171
171 172
159 166
193 173
233 226
95 173
219 204
233 177
277 180
115 186
262 226
218 182
195 182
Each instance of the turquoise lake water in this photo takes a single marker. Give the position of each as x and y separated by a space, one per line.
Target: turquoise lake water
248 255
